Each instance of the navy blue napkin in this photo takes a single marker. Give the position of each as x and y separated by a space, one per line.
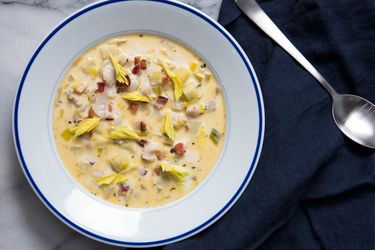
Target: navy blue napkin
313 187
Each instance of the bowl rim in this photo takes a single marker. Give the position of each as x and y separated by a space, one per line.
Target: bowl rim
223 210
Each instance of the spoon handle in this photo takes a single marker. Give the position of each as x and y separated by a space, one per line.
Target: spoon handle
260 18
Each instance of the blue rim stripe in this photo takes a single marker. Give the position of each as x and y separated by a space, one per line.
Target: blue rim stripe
124 243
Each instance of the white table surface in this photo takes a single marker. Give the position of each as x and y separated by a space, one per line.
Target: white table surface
25 223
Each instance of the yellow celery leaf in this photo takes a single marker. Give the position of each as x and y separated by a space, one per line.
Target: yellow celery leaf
111 179
92 71
183 73
85 126
177 173
119 70
65 86
191 91
207 75
67 134
136 97
76 86
123 133
197 76
215 136
193 66
201 137
189 103
167 126
76 61
177 83
157 90
179 123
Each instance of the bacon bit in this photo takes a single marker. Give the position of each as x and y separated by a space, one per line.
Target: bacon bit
101 87
137 69
133 107
92 113
165 79
142 142
142 126
143 64
92 163
137 60
109 118
157 170
128 78
160 155
123 189
160 102
178 149
143 187
121 87
110 107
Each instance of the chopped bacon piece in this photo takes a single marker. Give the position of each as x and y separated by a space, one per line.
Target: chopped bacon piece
109 118
157 170
123 189
165 79
160 102
101 87
137 60
143 187
137 69
110 107
178 149
142 143
143 64
160 155
92 113
133 107
142 126
121 87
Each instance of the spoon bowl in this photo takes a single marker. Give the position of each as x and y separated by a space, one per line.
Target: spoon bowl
355 117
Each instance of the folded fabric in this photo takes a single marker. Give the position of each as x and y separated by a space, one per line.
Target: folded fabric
313 187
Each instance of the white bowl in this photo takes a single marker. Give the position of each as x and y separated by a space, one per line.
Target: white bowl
129 226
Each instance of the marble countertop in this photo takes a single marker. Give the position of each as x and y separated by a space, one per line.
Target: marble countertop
25 222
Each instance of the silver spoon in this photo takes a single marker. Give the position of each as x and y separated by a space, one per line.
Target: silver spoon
354 115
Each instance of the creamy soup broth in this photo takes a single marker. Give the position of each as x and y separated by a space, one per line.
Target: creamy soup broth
139 120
